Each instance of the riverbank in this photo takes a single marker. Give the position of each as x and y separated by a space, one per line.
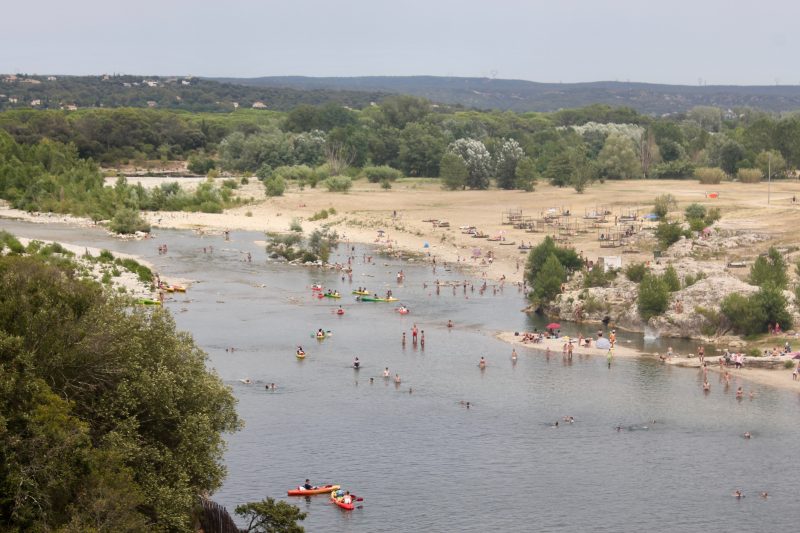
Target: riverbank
555 346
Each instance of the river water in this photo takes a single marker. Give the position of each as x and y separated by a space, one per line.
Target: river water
421 460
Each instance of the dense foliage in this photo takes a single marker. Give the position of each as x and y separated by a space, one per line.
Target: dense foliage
109 419
547 268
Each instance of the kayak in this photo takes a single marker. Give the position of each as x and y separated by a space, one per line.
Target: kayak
179 288
403 311
361 293
332 295
371 299
301 355
340 502
147 301
310 492
390 299
340 311
316 287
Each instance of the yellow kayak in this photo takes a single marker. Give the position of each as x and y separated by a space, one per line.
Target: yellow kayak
300 355
361 293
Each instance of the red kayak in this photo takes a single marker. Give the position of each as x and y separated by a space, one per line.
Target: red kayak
340 311
340 502
310 492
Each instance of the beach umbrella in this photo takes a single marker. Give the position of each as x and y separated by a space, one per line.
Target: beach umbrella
553 325
603 343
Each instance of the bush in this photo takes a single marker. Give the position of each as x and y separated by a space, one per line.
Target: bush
695 211
689 280
547 284
635 272
663 204
299 173
331 211
274 186
709 175
537 257
788 364
381 173
211 206
748 175
668 233
338 184
200 165
670 278
7 239
264 172
295 226
653 296
128 221
598 277
319 215
386 184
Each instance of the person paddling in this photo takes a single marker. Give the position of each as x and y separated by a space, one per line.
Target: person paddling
356 363
307 485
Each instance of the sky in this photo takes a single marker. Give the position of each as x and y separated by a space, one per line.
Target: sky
740 42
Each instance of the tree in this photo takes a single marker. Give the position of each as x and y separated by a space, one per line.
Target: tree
769 270
653 297
773 303
668 233
397 111
618 158
647 150
771 163
559 170
506 159
730 155
453 172
274 186
539 254
127 221
270 516
548 281
477 159
526 174
107 412
695 211
744 317
421 149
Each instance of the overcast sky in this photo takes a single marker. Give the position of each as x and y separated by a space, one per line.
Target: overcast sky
742 42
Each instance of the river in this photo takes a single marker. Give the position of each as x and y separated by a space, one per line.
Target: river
421 460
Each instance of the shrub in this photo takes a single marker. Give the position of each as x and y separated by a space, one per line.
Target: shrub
211 206
274 186
713 321
299 173
788 364
695 211
670 278
598 277
295 226
331 211
338 183
7 239
128 221
568 258
264 172
245 180
635 272
105 256
668 233
653 296
200 165
713 215
748 175
689 280
230 183
709 175
386 184
381 173
663 204
319 215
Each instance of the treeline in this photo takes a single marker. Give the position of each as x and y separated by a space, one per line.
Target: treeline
109 418
183 93
49 176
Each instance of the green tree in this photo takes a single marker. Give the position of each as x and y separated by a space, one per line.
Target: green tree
421 149
506 159
618 159
653 297
730 155
271 516
559 170
398 111
477 159
635 272
695 211
453 172
744 317
128 221
526 174
668 233
771 300
539 254
548 280
274 186
771 161
769 270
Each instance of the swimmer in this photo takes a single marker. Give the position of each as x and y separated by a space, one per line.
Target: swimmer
706 386
397 378
386 372
513 354
747 434
356 363
569 419
482 363
449 323
410 390
739 393
371 381
555 425
246 381
618 428
738 494
764 495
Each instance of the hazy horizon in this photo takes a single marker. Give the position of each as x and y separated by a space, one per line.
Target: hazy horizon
683 43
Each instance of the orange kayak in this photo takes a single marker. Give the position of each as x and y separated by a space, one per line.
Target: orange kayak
310 492
340 502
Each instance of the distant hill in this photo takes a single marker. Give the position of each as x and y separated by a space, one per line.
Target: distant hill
520 95
175 92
